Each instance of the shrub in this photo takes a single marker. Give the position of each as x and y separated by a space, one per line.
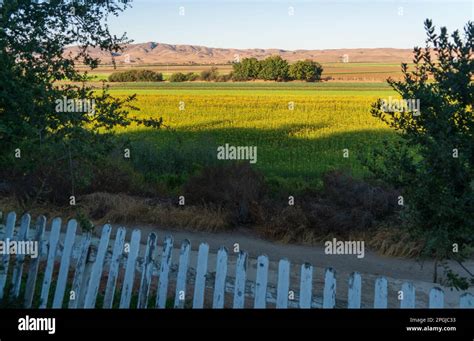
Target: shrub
306 70
434 162
247 69
346 204
210 74
178 77
274 68
136 76
235 187
191 76
224 78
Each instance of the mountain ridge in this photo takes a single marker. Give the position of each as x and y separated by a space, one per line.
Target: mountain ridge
164 53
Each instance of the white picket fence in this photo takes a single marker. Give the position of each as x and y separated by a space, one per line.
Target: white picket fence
89 279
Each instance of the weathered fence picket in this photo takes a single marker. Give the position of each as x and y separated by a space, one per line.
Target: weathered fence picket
79 282
64 267
20 258
240 279
221 273
381 294
329 293
180 296
261 282
283 285
129 277
9 228
51 259
34 263
114 268
162 292
306 285
96 274
407 297
466 301
436 298
147 269
91 256
354 291
201 272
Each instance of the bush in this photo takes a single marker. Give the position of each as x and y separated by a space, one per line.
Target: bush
235 187
210 74
274 69
342 206
178 77
191 76
434 161
224 78
306 70
346 204
136 76
247 69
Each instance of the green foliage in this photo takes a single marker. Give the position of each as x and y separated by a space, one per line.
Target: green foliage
178 77
84 222
59 147
434 161
277 69
247 69
191 77
136 76
210 75
274 68
305 70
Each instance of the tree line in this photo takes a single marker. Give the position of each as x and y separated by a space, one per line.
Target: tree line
273 68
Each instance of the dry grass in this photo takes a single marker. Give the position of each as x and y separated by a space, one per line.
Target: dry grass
290 226
124 209
394 242
104 208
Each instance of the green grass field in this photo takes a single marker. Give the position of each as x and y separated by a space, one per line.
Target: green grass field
295 146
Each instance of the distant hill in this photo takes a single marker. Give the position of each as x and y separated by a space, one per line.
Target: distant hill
158 53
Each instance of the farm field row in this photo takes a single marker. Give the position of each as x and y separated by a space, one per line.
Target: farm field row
299 133
369 72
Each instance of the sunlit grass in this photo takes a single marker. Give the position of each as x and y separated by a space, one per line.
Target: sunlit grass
296 145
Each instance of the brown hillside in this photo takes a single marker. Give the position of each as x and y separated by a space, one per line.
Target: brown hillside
158 53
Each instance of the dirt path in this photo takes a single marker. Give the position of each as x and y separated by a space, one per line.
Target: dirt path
372 263
396 270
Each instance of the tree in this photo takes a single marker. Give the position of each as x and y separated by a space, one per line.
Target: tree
306 70
49 143
178 77
136 76
247 69
274 68
210 74
433 160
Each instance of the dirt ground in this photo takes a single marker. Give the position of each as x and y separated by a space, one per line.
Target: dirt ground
397 270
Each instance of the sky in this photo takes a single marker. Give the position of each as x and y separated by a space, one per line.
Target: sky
290 25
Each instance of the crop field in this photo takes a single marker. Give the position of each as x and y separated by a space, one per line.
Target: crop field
300 129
